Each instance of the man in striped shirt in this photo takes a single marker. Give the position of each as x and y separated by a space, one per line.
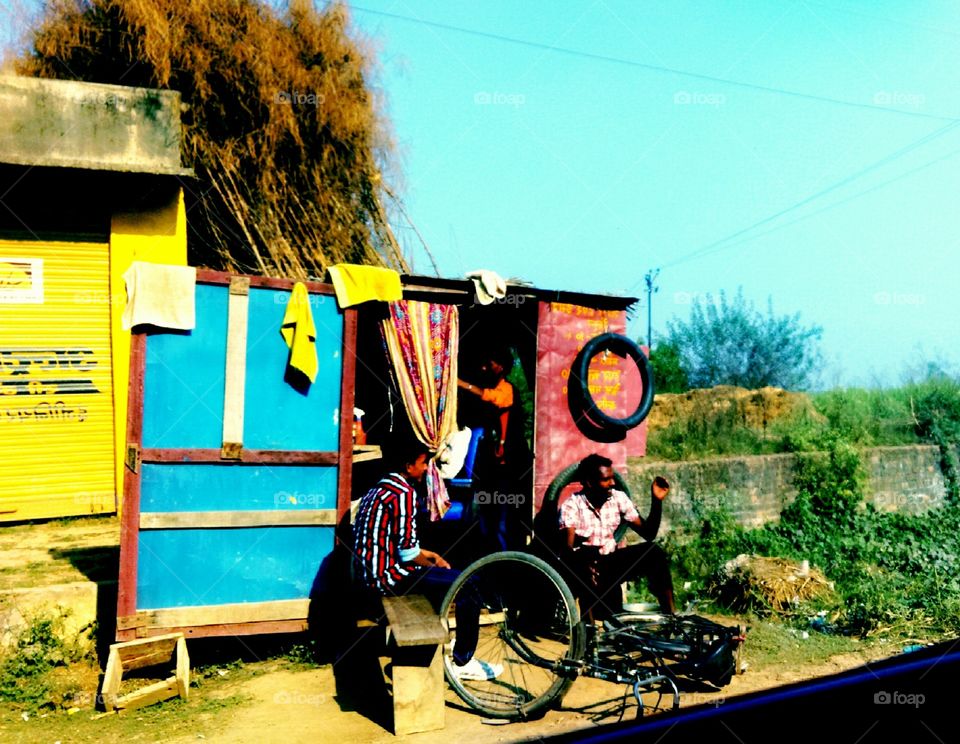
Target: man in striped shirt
392 562
589 520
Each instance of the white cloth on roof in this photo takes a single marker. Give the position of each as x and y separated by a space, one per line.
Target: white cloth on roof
161 295
489 285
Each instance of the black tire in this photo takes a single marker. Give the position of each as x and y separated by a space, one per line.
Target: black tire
529 625
568 475
579 372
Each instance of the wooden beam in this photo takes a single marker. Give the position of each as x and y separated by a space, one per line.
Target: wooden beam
247 456
130 517
149 695
228 614
209 276
264 518
348 381
238 302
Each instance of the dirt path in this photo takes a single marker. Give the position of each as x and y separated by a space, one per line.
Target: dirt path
302 706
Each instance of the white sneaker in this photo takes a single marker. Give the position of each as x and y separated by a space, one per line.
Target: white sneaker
477 670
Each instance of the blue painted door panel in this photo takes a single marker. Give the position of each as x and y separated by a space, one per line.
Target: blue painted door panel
183 409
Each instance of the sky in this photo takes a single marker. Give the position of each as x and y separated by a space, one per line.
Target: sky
808 152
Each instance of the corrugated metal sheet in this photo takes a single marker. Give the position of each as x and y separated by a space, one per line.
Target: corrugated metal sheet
56 399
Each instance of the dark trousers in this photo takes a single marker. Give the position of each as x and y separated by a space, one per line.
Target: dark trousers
434 583
597 578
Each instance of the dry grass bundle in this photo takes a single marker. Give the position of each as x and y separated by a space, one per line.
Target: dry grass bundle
770 585
280 124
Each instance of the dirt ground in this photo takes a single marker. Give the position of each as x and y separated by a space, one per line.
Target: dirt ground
279 700
301 706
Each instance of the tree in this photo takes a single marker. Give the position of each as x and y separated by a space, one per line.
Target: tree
279 123
668 374
729 342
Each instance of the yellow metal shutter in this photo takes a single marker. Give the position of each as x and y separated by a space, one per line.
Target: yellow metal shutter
56 400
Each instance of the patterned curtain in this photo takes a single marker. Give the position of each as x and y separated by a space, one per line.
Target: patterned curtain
422 341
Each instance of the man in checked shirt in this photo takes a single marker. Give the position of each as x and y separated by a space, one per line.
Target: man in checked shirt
589 520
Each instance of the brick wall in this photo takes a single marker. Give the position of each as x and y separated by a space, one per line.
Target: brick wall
756 489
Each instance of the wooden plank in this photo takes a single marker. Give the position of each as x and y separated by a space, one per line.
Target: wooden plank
413 621
247 456
225 519
210 276
418 690
348 380
226 629
130 518
486 618
183 669
150 694
236 366
140 661
110 689
365 452
239 613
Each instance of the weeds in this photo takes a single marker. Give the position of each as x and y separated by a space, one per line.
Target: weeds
27 671
895 574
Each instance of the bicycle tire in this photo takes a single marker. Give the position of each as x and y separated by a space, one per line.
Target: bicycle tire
531 627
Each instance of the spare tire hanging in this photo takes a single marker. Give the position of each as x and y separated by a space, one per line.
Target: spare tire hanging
579 374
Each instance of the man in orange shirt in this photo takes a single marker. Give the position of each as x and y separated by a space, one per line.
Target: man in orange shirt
494 497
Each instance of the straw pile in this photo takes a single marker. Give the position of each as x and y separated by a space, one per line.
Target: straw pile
769 585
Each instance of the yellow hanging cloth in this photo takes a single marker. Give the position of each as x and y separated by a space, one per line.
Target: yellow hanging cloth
355 284
300 333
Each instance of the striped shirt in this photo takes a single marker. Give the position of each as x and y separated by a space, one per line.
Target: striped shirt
386 525
596 528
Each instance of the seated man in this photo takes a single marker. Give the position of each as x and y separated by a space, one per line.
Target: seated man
589 519
392 563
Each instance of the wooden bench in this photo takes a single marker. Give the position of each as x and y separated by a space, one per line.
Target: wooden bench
416 646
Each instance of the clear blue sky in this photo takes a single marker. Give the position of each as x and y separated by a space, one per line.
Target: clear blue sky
582 158
576 171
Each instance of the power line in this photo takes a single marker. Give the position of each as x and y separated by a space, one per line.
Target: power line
852 197
718 244
656 68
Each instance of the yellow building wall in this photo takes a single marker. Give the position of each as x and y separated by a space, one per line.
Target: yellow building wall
158 236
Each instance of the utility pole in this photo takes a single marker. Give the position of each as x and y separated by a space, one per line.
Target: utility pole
650 278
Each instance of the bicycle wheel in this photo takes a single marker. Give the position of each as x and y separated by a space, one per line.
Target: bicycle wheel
528 624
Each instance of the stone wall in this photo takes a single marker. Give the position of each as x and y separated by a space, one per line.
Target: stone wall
756 489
